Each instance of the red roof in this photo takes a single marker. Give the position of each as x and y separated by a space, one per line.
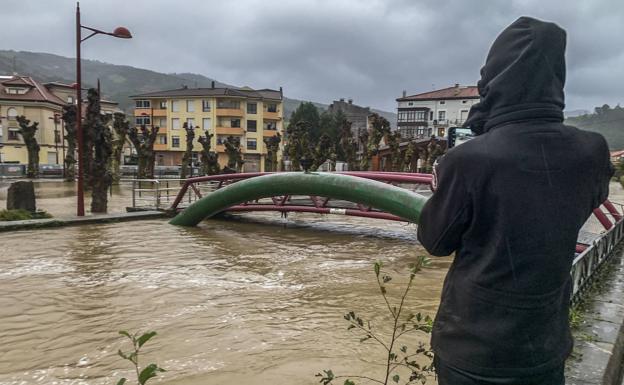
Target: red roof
617 154
35 91
456 92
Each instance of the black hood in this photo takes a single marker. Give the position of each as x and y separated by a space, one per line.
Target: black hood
523 76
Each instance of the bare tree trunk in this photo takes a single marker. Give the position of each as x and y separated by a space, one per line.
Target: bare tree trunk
121 127
101 178
187 158
28 132
69 119
143 142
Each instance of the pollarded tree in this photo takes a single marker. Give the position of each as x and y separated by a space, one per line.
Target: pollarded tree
209 159
322 152
92 119
272 146
393 140
120 127
69 119
234 153
187 158
101 177
143 141
28 132
348 145
370 141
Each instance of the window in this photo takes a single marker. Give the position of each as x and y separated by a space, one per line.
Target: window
442 102
251 144
162 105
175 123
12 113
271 126
205 105
411 116
252 108
190 122
175 106
162 139
206 123
221 139
142 104
252 125
430 115
272 107
70 100
410 103
13 134
190 106
142 120
175 141
235 123
162 122
441 115
16 91
232 104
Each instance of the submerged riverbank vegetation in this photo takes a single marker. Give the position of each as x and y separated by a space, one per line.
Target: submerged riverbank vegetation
22 215
403 364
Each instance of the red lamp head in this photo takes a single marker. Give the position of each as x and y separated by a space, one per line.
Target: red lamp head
122 33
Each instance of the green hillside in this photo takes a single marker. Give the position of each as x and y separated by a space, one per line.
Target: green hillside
605 120
118 81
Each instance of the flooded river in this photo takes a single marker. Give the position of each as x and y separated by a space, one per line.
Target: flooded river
255 301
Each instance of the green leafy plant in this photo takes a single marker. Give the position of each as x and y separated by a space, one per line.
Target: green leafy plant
402 364
149 371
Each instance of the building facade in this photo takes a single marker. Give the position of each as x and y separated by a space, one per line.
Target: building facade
357 115
41 103
22 95
432 113
251 115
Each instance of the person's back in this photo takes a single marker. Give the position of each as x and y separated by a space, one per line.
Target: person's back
511 203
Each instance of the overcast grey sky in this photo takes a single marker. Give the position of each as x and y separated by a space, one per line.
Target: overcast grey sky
322 50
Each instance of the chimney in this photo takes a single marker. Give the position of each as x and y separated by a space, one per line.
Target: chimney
404 93
281 92
212 84
342 100
456 85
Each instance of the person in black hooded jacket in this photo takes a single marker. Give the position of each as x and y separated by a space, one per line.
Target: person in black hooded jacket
510 204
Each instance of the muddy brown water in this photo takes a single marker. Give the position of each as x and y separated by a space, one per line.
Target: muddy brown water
258 300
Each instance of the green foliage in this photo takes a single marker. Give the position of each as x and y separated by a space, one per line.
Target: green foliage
605 120
149 371
403 362
22 215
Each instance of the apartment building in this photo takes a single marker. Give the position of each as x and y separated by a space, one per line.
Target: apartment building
432 113
23 95
248 114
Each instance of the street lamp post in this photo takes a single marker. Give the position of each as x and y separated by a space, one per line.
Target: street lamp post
120 32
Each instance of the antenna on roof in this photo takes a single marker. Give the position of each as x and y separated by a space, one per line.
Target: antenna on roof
212 84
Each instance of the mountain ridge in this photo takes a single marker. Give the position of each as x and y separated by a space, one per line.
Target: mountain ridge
120 81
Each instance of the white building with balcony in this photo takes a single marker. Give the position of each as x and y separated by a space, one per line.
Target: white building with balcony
432 113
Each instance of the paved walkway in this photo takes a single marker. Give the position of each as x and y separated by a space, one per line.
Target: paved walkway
75 221
598 356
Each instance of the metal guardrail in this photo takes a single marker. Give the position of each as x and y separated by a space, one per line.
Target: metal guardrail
160 193
587 263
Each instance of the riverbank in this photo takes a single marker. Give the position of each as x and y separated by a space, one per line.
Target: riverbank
598 356
31 224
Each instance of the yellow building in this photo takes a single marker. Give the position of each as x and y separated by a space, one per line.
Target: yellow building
22 95
250 115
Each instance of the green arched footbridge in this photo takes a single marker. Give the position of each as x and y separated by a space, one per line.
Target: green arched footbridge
382 196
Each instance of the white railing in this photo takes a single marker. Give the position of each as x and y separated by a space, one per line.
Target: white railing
587 263
159 194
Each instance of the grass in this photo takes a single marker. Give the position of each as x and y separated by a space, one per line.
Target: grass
21 215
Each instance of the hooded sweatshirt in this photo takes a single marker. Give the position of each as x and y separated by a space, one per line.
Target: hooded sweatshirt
510 204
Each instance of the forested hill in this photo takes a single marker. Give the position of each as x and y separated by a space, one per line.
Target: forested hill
605 120
119 81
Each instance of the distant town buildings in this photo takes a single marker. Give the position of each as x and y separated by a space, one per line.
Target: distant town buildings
41 103
248 114
357 115
432 113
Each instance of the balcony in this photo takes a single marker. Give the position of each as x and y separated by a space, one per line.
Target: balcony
222 111
268 133
229 130
160 147
271 115
220 148
162 112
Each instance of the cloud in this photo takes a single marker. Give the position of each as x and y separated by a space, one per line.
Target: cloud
322 50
